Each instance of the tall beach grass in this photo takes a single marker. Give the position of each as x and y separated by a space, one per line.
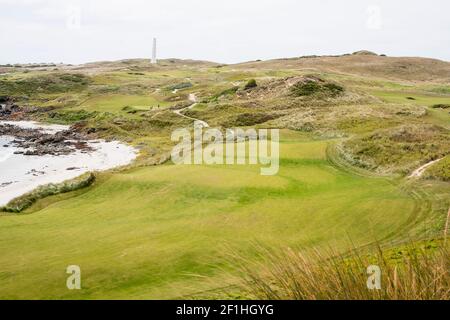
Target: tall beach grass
412 273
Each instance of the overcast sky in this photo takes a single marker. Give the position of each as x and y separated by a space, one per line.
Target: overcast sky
77 31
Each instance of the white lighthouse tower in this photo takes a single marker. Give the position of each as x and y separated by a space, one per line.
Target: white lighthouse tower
154 61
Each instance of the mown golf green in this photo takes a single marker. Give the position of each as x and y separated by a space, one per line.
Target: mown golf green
116 103
412 97
165 231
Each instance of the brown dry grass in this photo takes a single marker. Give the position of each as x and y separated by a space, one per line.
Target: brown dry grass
403 68
292 275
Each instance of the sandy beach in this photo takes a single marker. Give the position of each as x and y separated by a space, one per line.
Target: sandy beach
20 173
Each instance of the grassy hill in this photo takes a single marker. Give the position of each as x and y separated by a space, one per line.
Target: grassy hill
353 129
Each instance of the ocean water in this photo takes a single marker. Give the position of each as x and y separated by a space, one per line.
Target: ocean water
20 174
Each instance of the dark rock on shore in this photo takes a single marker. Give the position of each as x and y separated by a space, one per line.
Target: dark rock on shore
9 110
37 143
7 107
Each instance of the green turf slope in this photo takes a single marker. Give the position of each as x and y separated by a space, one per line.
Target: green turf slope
158 232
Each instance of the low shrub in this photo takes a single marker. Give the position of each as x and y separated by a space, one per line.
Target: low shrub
316 87
71 116
251 84
248 119
333 89
441 106
224 93
181 86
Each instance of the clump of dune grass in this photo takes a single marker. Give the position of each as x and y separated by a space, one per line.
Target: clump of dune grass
24 202
315 86
414 274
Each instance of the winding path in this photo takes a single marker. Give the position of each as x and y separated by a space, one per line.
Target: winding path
419 172
193 99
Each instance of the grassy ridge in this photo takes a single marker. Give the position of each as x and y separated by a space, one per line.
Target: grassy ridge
27 200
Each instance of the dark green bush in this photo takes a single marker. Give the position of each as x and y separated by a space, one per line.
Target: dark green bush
306 89
318 87
333 89
441 106
251 84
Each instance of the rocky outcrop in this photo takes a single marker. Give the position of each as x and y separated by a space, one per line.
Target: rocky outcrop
37 143
7 107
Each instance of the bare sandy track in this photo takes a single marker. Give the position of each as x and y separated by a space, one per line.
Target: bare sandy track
193 99
420 171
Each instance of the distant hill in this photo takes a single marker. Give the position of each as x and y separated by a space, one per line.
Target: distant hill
138 65
364 53
365 64
360 63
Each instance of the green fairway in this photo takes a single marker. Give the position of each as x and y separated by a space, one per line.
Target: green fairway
413 97
115 103
154 232
435 115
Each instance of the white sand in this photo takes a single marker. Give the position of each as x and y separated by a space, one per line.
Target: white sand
20 174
